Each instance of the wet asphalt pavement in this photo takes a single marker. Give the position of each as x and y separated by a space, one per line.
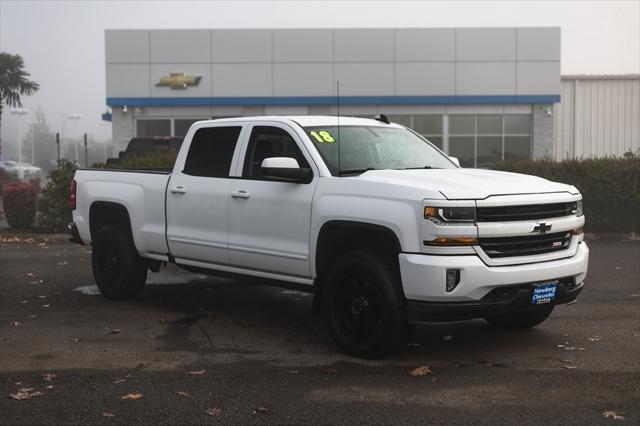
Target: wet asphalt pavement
249 353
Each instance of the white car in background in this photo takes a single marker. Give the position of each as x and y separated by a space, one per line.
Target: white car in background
22 170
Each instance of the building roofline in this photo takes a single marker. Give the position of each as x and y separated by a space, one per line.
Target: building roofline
601 77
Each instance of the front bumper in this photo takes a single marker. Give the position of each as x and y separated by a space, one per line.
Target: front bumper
423 276
501 301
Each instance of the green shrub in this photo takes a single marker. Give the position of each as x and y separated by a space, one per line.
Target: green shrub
19 202
610 187
162 159
54 207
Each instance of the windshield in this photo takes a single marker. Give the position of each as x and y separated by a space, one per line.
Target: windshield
363 148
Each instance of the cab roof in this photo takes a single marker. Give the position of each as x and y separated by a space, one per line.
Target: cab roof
310 120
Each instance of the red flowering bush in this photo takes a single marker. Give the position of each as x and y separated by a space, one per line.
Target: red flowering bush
19 202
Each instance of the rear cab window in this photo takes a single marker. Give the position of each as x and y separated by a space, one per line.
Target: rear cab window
211 151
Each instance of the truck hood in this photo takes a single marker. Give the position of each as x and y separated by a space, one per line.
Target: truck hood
456 184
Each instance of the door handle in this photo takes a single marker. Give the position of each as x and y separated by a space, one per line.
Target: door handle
178 190
240 194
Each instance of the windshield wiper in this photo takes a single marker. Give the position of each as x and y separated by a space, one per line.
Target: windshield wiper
354 171
421 167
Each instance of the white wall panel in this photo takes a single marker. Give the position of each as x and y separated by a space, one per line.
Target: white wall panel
127 46
180 46
363 45
309 45
303 80
485 78
433 78
425 44
598 116
242 80
486 44
241 46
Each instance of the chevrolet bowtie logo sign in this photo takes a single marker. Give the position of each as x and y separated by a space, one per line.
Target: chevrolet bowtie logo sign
179 80
542 228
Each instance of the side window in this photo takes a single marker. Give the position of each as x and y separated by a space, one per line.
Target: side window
268 142
211 151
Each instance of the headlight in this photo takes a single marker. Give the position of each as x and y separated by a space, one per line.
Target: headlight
450 215
576 208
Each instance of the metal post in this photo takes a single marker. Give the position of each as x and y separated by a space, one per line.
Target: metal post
58 143
86 154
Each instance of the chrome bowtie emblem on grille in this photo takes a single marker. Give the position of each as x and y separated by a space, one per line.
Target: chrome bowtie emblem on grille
541 228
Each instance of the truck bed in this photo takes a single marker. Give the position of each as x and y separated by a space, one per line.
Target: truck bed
141 191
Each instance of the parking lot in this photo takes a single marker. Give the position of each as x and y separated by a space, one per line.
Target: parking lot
195 349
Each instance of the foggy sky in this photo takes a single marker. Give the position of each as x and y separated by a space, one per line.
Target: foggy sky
62 42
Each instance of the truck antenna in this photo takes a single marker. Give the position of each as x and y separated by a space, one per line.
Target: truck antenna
338 107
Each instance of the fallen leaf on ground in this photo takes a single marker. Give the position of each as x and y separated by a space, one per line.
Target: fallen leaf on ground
570 367
75 340
131 396
49 387
329 371
423 370
491 364
116 381
567 347
108 415
182 393
215 411
63 263
448 338
16 323
33 316
49 376
197 372
114 331
30 274
42 297
24 301
594 338
46 306
293 371
613 415
25 393
261 410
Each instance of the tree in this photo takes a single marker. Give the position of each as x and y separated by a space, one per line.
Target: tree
43 141
13 82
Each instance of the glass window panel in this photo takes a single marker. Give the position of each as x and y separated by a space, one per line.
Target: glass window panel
428 124
404 120
211 151
462 148
517 147
490 124
153 128
462 124
436 140
181 125
489 150
517 124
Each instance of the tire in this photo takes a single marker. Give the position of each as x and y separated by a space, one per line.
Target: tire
521 320
365 307
118 270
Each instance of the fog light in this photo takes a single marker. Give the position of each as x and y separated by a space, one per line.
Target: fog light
453 279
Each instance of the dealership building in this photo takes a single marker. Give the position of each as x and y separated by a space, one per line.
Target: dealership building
481 94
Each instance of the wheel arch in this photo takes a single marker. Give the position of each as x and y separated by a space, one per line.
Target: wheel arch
102 213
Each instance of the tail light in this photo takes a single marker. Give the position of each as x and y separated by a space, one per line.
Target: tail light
72 194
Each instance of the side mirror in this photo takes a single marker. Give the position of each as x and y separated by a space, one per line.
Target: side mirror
455 160
286 169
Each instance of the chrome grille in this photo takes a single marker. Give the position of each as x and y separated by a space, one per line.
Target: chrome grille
528 212
525 245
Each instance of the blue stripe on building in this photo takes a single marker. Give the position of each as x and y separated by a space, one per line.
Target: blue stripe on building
331 100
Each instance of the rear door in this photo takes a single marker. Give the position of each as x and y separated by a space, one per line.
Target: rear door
198 197
269 221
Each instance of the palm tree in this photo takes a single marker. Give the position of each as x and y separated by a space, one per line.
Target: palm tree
13 82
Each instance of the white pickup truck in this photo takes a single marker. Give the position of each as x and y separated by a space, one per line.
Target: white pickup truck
377 222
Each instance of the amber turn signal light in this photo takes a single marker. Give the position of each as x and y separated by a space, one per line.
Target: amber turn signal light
457 241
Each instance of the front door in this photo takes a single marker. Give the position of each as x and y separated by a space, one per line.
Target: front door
198 198
269 221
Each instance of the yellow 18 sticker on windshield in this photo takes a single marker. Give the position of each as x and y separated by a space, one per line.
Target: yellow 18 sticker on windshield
322 136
